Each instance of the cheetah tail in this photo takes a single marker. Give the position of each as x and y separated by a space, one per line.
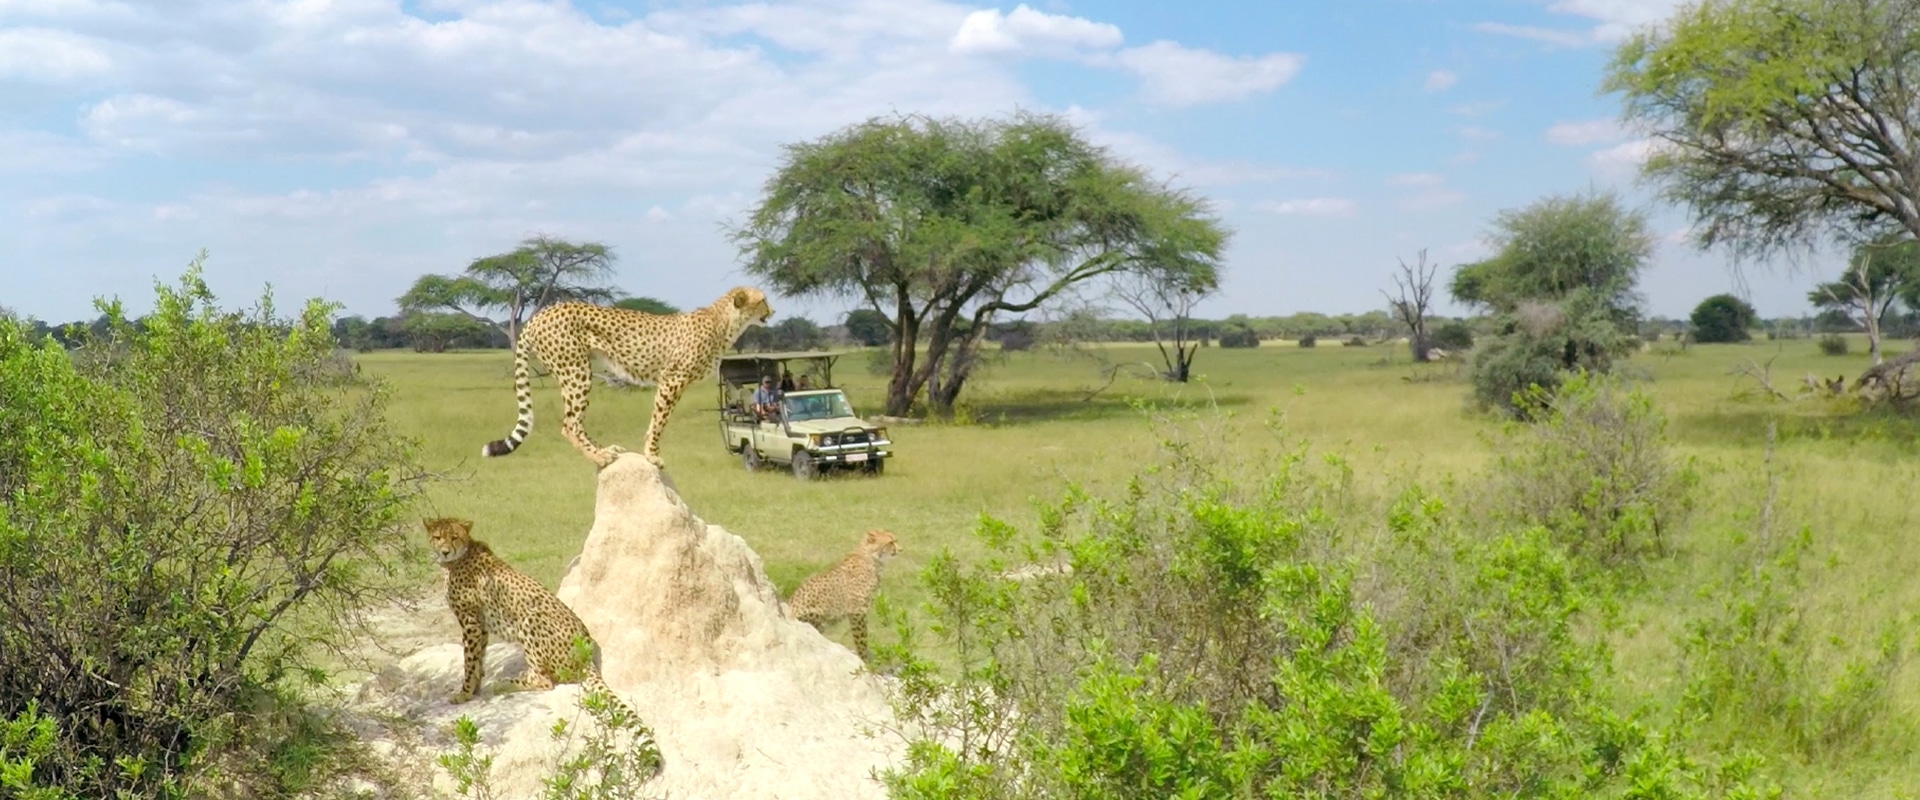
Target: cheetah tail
643 740
522 394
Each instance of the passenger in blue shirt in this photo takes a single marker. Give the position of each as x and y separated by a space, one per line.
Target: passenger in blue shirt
766 399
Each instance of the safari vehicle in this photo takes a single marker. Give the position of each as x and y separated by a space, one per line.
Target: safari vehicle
812 431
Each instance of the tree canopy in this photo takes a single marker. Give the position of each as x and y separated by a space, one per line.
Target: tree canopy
1555 247
1779 123
649 305
504 290
944 223
1723 318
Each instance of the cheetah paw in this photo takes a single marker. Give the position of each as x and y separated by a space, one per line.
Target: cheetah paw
459 698
655 461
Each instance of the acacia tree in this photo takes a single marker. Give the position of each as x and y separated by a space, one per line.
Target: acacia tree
1561 287
944 224
1877 275
1166 298
504 290
650 305
1779 123
1415 301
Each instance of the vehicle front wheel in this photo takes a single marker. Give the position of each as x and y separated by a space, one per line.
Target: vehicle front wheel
803 466
749 457
876 467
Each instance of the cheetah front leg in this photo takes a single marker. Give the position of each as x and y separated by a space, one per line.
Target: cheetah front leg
473 651
575 381
666 393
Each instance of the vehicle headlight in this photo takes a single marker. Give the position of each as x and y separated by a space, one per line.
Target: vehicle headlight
830 440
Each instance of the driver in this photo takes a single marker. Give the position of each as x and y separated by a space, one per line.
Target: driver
766 399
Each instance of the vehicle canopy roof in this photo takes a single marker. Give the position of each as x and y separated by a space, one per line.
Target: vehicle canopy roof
740 369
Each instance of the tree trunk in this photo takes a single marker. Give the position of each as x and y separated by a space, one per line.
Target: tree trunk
1873 334
906 334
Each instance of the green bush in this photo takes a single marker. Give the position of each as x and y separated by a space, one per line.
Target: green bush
1723 318
1309 340
1216 638
1239 334
1595 471
1543 344
1833 344
1455 335
195 509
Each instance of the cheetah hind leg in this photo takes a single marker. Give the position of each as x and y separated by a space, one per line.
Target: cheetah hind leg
575 381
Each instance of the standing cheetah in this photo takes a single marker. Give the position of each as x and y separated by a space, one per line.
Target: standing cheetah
672 350
488 595
846 590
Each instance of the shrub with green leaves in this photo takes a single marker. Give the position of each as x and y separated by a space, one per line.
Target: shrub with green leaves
195 510
1595 471
1833 344
1270 635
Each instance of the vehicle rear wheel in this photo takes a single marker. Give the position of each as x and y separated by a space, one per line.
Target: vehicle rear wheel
749 457
803 466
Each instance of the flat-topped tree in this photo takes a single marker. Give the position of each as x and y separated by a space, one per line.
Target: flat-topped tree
504 290
1781 123
943 224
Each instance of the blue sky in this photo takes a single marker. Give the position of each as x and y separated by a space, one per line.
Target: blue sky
343 148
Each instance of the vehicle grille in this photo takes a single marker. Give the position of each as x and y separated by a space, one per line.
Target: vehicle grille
854 438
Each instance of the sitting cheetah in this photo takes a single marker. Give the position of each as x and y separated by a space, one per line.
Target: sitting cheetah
488 595
672 350
846 590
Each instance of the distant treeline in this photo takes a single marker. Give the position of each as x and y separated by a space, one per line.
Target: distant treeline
430 332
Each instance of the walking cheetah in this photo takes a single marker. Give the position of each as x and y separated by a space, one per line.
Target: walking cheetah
489 596
672 350
846 590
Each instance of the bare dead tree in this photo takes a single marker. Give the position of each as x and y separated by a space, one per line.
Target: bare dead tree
1416 298
1166 298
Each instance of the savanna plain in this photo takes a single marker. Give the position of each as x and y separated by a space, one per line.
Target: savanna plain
1836 478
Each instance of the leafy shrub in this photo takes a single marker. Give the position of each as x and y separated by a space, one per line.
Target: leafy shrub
1543 344
1239 334
1455 335
610 757
1309 340
193 511
1833 344
1595 471
1723 318
1213 638
1354 341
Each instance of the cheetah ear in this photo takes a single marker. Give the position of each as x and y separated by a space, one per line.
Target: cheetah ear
466 525
739 297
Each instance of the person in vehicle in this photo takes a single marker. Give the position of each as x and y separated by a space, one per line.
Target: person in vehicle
766 399
786 381
805 383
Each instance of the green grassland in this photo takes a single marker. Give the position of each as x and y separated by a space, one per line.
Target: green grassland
1030 430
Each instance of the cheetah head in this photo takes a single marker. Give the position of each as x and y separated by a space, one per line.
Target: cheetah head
749 307
880 543
449 538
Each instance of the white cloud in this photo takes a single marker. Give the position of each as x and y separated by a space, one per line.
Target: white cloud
1614 21
1550 36
47 54
1475 133
1621 159
1617 19
1593 131
1027 31
1441 80
1438 198
1310 207
1417 179
1173 75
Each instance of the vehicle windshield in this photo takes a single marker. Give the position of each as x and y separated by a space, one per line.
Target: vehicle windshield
818 406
